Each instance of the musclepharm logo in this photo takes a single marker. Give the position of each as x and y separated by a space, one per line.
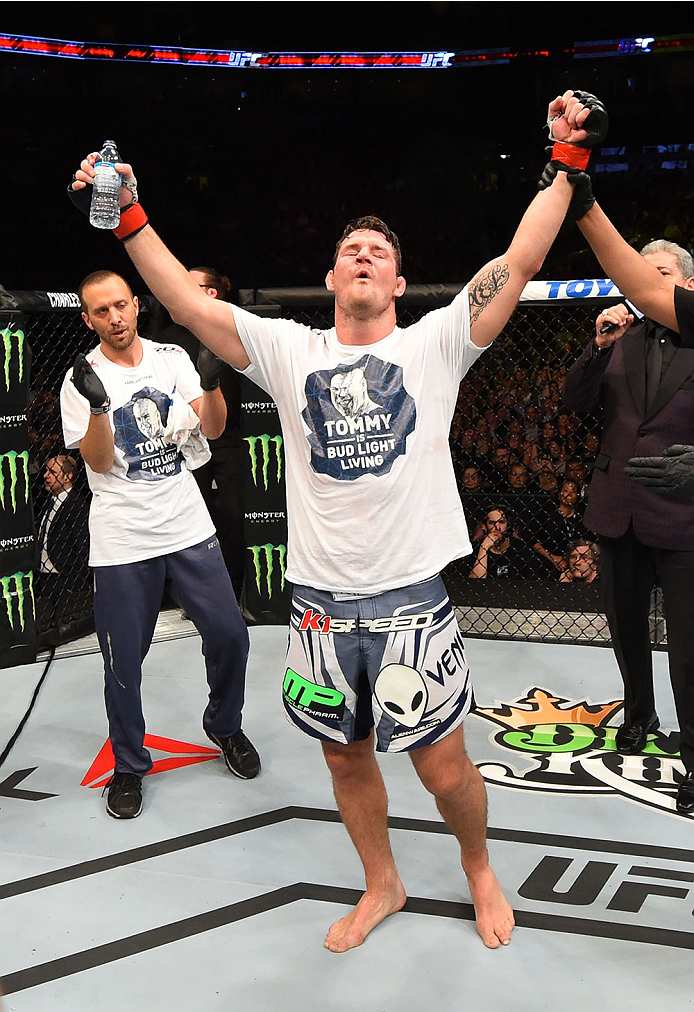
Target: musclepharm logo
264 443
264 558
13 588
10 466
8 338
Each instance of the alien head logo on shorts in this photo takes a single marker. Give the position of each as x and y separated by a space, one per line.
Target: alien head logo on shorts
401 693
359 417
568 746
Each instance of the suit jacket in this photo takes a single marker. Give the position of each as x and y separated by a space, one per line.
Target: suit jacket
616 383
67 542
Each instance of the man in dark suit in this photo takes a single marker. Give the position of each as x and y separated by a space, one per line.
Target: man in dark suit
63 542
643 379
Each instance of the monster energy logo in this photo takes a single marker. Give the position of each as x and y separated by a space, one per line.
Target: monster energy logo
267 553
12 457
7 337
19 593
264 441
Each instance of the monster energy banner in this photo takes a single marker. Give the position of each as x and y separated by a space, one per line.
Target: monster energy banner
266 594
17 606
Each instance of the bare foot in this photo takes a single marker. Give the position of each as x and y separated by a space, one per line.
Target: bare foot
371 909
493 913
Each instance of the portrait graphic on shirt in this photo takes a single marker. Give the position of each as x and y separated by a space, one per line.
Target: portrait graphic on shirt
139 434
359 417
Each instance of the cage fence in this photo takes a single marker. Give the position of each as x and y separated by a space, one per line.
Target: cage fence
522 464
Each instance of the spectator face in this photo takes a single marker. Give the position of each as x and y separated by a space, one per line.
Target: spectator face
496 521
471 479
531 414
546 477
548 431
501 458
582 563
592 443
568 494
518 476
575 471
55 479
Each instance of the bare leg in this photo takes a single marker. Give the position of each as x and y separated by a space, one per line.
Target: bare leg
461 798
361 797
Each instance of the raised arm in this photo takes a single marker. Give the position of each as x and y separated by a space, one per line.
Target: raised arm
495 290
638 279
211 320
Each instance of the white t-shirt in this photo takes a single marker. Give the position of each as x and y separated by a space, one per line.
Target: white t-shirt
372 501
149 503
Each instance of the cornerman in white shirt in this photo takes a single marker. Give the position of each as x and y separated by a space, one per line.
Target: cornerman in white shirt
132 407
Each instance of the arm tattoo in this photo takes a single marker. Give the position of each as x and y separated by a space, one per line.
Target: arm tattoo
485 287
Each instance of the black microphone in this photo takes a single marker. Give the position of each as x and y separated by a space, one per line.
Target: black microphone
607 327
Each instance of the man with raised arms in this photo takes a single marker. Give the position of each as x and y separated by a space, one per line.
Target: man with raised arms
375 656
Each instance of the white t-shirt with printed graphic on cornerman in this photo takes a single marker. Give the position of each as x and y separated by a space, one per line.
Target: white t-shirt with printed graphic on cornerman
372 501
149 503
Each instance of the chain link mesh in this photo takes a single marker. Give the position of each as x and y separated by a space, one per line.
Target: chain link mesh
521 461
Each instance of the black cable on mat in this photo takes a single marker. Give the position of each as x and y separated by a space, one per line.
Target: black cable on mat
8 748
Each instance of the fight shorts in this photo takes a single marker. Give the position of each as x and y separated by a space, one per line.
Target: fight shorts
394 662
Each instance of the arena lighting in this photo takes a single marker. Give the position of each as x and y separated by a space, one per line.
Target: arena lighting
445 59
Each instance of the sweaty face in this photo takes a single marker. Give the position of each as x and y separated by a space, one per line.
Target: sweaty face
365 278
111 312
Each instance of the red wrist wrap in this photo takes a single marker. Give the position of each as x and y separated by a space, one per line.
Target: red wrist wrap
132 220
571 154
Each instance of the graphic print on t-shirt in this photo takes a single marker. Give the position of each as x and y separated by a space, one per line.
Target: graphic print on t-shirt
139 434
359 417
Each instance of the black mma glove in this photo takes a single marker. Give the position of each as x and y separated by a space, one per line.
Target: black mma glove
209 369
596 123
90 386
671 474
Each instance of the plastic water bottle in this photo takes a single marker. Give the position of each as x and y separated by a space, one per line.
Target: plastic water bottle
105 209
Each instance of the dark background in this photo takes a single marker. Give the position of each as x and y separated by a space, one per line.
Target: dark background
256 171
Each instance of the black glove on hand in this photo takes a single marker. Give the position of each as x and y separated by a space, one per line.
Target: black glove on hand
596 123
82 198
583 198
671 474
90 386
209 369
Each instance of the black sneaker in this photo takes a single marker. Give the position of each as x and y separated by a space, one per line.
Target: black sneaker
124 798
239 755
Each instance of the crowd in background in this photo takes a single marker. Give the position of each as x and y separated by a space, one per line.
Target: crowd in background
523 465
